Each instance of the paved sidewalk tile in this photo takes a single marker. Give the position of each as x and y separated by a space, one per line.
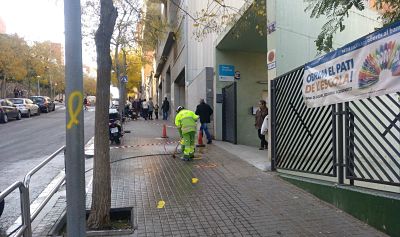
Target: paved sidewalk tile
231 198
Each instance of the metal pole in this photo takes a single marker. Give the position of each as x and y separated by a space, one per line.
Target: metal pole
25 210
273 125
74 155
340 143
334 141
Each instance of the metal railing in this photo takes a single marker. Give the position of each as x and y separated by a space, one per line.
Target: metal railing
352 141
25 228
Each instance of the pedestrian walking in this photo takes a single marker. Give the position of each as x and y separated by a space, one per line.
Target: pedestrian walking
165 108
204 111
128 109
85 103
15 92
186 122
151 108
156 110
145 109
261 113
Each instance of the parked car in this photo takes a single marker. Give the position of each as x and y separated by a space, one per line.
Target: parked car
8 110
26 106
45 103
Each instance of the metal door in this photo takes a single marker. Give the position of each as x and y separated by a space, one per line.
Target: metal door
229 115
303 139
372 135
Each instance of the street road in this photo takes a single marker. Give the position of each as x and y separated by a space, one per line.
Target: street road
23 145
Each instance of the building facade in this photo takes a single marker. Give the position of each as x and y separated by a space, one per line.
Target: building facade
188 69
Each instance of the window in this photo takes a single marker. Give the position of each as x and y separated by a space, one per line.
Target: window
17 101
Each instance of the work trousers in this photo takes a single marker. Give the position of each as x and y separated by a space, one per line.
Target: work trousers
188 144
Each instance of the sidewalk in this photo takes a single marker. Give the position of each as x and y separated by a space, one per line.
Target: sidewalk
232 197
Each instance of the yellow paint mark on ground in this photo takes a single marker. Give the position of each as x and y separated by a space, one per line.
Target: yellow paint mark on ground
195 180
160 204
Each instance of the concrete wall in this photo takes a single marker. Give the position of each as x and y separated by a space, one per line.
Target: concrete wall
200 52
197 90
188 53
249 92
296 32
295 35
202 88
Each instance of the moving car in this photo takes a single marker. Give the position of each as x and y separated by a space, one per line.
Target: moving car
8 110
26 106
45 103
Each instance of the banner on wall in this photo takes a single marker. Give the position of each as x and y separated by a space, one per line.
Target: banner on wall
369 66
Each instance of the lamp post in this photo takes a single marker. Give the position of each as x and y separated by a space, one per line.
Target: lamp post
54 90
38 86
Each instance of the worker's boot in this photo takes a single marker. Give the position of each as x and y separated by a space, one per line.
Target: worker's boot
185 157
191 156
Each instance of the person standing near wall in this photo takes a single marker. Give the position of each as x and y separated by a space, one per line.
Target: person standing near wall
165 108
145 108
261 113
204 111
156 111
85 103
186 122
151 108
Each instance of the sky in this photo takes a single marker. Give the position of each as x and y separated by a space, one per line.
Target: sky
38 20
35 20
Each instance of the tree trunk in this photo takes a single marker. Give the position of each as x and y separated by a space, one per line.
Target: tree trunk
1 88
101 198
4 86
29 86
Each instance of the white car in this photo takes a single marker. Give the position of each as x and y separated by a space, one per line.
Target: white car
26 106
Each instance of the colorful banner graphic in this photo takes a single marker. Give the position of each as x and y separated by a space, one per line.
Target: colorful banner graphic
369 66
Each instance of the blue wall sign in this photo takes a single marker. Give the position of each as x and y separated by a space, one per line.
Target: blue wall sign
226 72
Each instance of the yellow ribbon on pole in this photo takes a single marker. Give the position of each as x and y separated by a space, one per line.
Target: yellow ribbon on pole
74 113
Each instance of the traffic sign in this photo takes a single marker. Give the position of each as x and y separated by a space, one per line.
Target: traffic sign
124 79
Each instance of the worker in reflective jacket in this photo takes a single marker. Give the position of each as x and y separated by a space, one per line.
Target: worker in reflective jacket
186 122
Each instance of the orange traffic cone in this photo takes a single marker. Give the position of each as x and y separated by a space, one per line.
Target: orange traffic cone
200 139
164 132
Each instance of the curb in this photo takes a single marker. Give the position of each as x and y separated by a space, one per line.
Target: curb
89 148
